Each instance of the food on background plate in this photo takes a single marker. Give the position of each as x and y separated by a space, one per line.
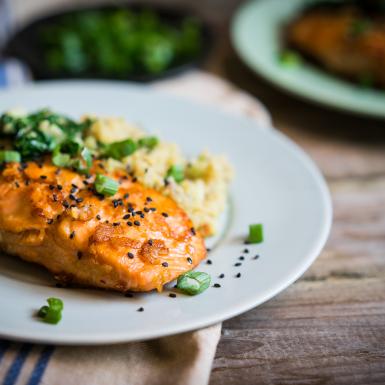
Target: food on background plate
99 203
344 37
118 42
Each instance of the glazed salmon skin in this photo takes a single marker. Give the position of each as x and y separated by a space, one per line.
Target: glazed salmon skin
135 240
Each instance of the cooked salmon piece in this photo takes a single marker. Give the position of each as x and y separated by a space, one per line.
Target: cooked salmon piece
135 240
344 38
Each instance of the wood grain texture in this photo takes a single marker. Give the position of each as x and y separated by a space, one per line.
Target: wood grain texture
329 327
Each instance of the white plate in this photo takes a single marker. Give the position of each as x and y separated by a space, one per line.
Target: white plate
276 184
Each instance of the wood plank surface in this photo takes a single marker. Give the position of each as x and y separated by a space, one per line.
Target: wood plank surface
329 327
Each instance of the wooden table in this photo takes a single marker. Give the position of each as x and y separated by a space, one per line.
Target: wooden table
328 327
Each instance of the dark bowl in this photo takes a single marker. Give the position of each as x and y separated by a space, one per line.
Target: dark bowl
26 46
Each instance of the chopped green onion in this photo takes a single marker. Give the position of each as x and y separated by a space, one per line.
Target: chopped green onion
255 233
9 156
51 313
119 150
193 282
59 159
149 142
55 303
290 59
106 186
176 172
83 164
359 27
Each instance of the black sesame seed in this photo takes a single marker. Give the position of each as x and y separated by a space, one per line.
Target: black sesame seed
238 275
72 197
208 249
165 215
189 260
241 258
149 199
115 202
141 215
43 176
74 185
51 187
129 223
134 179
17 184
54 197
127 216
130 255
246 251
66 204
98 217
116 224
152 208
140 309
164 264
216 285
193 232
79 254
59 187
136 223
209 262
72 235
146 210
221 276
256 256
150 242
238 264
73 190
27 182
79 200
172 295
85 182
126 195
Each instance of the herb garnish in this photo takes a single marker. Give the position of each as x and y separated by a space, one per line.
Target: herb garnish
193 282
53 312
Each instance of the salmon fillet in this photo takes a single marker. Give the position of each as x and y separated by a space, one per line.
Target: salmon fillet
135 240
344 39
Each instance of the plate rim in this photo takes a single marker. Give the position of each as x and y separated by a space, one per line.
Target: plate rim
243 306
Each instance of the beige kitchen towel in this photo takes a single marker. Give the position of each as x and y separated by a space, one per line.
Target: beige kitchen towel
183 359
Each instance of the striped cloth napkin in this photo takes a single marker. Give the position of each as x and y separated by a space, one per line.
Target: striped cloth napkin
156 362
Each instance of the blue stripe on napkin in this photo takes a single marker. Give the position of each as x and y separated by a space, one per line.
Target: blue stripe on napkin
17 365
40 366
4 345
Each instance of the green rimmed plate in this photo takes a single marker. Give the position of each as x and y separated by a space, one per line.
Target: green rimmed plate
256 36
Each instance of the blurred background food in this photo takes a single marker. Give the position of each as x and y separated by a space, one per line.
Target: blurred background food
345 37
121 41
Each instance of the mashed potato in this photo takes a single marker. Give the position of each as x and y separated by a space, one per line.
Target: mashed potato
202 193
